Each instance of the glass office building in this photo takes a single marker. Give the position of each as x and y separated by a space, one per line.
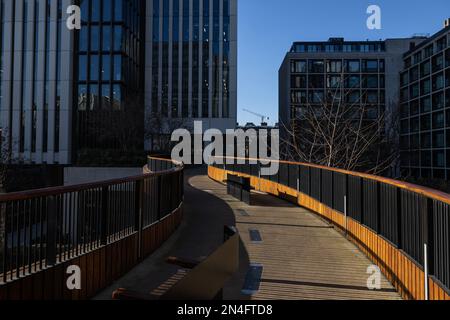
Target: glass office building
191 61
36 86
109 78
425 109
68 95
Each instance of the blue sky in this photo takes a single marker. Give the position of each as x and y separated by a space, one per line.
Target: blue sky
267 28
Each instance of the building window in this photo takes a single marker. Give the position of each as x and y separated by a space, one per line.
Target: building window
425 122
414 91
438 62
438 120
425 104
438 81
370 81
316 81
407 63
425 86
415 107
298 97
353 96
404 126
370 66
333 81
334 66
298 66
425 140
425 68
439 159
316 97
298 82
372 97
425 157
404 110
404 95
447 58
438 101
415 144
429 51
441 43
353 65
404 79
415 124
316 66
439 139
417 57
353 82
414 74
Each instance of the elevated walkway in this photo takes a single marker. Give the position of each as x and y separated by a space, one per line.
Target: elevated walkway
302 256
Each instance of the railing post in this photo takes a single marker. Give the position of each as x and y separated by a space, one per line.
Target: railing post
138 214
160 192
345 215
427 223
51 231
399 219
104 217
378 190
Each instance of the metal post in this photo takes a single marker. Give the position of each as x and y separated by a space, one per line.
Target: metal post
104 217
138 214
345 215
427 225
159 183
51 231
426 271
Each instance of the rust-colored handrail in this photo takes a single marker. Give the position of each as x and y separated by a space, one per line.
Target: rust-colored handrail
22 195
425 191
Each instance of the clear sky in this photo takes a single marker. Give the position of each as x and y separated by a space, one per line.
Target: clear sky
267 28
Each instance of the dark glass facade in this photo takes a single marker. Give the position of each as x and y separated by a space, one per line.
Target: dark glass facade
198 42
110 79
425 110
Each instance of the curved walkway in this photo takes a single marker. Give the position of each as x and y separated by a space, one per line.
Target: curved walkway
302 256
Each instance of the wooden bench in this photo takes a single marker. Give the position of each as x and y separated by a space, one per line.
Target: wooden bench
205 280
239 187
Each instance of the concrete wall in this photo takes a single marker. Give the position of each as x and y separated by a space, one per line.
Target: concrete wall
78 175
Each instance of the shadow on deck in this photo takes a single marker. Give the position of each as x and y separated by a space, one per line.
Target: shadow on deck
303 257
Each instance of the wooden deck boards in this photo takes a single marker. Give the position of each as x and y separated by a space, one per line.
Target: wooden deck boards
303 257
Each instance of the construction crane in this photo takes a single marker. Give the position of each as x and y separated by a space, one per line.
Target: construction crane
263 117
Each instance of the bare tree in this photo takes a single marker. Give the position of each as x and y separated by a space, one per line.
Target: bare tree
6 158
345 128
159 129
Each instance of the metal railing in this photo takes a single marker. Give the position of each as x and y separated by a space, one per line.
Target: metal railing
43 228
414 219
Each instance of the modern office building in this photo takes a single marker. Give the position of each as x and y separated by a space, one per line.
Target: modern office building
315 75
109 82
37 78
425 109
191 56
70 94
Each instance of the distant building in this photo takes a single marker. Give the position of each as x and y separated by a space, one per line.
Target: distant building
191 64
425 109
316 74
